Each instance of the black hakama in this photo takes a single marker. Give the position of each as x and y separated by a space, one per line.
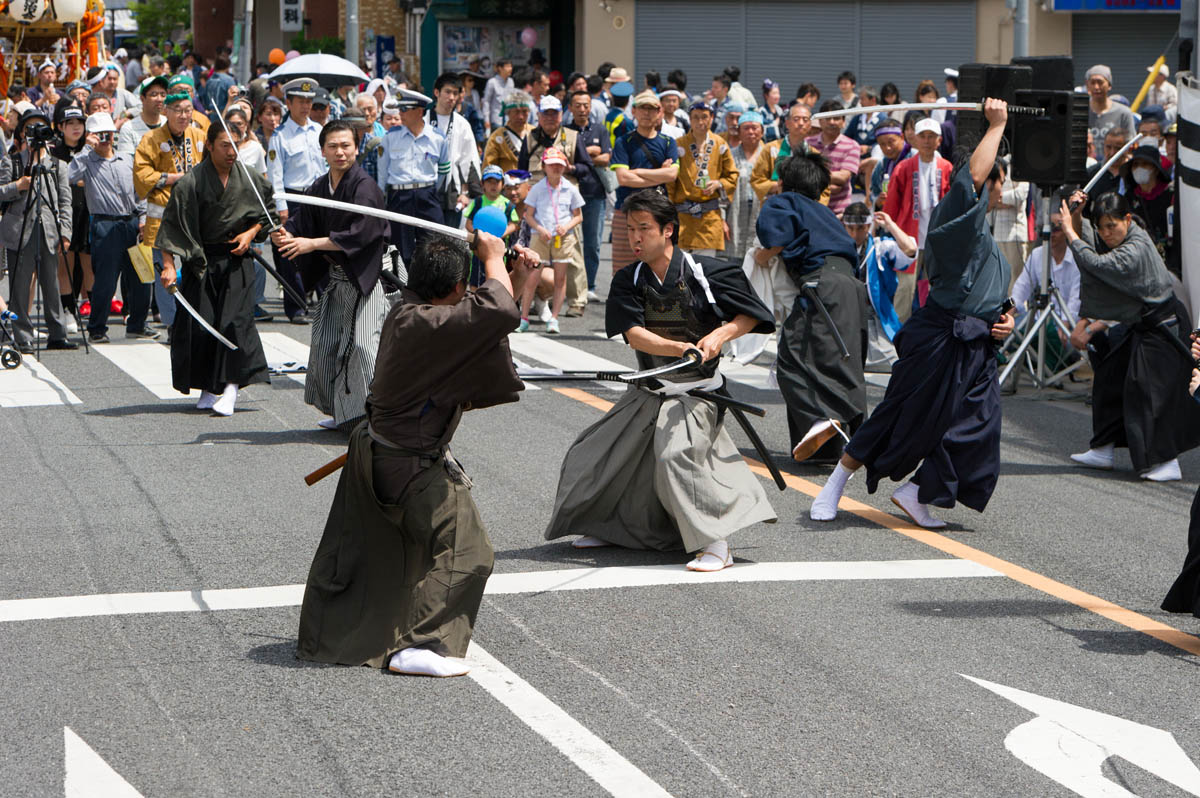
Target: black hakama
942 406
1139 395
1184 595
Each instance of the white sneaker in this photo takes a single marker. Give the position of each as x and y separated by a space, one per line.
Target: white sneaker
224 405
207 400
1164 472
71 325
593 296
424 662
905 498
1101 458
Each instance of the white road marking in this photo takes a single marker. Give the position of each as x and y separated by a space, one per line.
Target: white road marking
563 356
1070 744
32 385
148 362
499 584
589 753
87 775
282 348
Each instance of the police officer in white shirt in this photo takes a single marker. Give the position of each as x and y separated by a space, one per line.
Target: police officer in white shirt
294 162
463 180
415 161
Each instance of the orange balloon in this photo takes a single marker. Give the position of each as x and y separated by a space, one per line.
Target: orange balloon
276 56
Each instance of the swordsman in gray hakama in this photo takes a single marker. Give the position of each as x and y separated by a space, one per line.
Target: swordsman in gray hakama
213 216
659 471
344 249
940 416
399 574
823 343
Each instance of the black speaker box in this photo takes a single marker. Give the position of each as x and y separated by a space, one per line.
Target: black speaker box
1050 72
1051 149
979 81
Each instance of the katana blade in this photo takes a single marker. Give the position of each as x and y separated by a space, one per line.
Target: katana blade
1129 145
391 216
287 287
690 359
887 109
191 311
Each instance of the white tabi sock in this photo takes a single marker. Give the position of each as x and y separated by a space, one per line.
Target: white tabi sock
1101 458
327 423
715 556
589 542
207 400
906 499
822 430
224 405
424 662
824 507
1164 472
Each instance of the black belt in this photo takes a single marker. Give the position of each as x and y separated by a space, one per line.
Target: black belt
105 217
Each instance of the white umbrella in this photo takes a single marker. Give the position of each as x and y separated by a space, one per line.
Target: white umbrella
330 71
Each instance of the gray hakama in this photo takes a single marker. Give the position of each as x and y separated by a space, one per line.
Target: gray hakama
659 471
345 340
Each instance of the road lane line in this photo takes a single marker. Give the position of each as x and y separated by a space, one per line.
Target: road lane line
589 753
33 385
1102 607
563 579
148 362
282 348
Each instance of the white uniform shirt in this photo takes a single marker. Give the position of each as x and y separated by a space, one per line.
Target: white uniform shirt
294 159
461 150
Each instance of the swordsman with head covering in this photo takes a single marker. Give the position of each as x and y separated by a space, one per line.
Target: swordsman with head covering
399 574
345 250
659 471
823 342
216 211
940 416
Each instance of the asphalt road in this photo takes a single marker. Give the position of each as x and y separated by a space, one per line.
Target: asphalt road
834 676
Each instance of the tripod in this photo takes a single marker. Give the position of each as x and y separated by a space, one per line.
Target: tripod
41 195
1047 302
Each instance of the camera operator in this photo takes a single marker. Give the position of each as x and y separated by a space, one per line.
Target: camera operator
69 126
117 216
28 157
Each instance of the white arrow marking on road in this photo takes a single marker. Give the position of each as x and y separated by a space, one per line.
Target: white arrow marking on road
1069 744
38 609
87 774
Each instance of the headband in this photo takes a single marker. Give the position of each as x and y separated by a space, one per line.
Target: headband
99 76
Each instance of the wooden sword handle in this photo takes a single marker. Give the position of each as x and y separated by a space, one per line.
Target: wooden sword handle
325 470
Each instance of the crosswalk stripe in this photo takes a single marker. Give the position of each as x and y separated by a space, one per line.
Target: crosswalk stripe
147 362
33 385
556 354
281 348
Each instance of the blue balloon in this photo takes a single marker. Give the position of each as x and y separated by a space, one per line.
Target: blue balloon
490 220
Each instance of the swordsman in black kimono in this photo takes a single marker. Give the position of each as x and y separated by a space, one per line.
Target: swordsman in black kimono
659 471
940 416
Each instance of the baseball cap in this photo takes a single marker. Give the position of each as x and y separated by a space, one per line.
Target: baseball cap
153 80
554 155
928 125
100 122
493 172
550 103
1163 70
180 79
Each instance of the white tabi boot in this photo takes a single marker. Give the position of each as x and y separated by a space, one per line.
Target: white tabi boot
1164 472
822 430
589 542
425 662
1101 458
207 400
905 498
327 423
224 405
825 506
713 557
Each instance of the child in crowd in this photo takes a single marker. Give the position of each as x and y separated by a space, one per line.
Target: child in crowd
493 178
553 209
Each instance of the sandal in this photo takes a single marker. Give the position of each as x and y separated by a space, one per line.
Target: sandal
698 564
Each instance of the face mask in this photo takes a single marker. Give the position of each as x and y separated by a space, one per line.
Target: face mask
1142 174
